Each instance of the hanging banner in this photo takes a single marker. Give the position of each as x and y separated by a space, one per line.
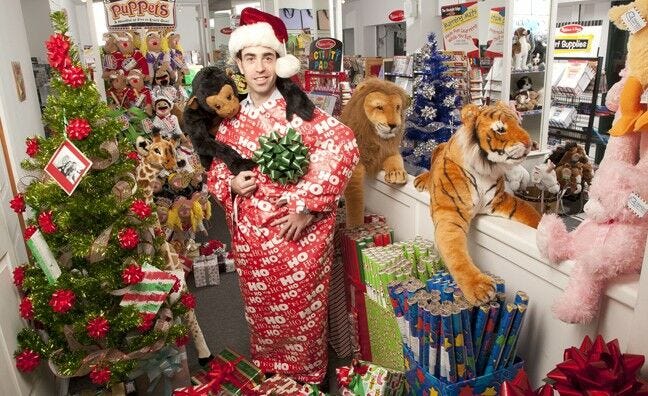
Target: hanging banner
495 41
325 55
460 32
140 14
578 39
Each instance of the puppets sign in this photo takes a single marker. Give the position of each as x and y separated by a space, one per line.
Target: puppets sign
325 55
140 13
459 23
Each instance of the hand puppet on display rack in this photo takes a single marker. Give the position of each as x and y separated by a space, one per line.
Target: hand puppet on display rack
185 218
112 58
166 122
634 116
117 95
521 48
610 241
573 168
214 98
466 178
375 113
133 58
140 95
156 58
171 45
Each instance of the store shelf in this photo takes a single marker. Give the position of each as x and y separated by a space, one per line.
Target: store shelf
397 75
525 73
531 112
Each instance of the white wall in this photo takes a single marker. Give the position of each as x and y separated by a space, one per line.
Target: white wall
40 27
363 16
221 20
187 26
19 120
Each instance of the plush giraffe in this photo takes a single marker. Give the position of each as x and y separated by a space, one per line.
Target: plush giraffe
159 155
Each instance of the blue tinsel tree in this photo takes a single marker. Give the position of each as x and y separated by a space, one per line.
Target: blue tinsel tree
431 119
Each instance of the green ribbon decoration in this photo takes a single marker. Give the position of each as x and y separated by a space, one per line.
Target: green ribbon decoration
283 158
164 364
357 386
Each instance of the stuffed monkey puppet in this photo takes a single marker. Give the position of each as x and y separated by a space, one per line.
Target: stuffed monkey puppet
214 98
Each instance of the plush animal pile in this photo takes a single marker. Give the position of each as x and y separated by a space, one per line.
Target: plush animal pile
611 240
375 113
466 178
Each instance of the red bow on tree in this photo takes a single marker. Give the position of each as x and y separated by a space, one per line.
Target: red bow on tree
598 369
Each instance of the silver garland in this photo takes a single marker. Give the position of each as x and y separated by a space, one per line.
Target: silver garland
449 101
428 91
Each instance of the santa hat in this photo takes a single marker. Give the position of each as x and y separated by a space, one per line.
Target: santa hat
258 28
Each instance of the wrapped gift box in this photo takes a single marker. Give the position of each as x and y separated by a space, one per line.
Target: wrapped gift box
372 379
205 270
241 381
280 385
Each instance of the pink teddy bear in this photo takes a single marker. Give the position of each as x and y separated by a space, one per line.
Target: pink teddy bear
611 240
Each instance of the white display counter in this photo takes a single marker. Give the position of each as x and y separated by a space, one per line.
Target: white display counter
508 249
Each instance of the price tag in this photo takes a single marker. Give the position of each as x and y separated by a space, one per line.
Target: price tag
637 205
633 20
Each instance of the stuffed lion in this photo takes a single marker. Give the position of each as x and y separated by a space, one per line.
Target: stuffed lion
375 113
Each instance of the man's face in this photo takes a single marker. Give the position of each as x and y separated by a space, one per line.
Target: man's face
258 66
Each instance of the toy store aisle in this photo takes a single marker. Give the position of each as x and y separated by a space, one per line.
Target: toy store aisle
220 310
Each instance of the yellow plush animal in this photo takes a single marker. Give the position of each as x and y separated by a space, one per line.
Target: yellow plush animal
375 113
466 178
634 116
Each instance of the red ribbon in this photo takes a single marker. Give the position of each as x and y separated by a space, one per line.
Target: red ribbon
598 369
219 373
345 374
519 386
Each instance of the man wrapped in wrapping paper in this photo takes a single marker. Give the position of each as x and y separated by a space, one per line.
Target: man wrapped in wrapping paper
282 218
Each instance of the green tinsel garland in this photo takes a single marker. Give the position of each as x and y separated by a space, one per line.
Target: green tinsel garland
283 158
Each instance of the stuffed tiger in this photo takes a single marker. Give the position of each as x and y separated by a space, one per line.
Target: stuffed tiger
466 178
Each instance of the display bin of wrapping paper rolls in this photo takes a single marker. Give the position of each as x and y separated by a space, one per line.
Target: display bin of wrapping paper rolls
422 383
354 240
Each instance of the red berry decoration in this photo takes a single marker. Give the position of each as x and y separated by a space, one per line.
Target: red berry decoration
27 360
58 47
182 341
132 274
29 231
176 285
133 156
146 321
128 238
18 203
98 327
18 276
100 375
32 147
26 308
62 300
188 300
73 76
141 209
46 222
78 129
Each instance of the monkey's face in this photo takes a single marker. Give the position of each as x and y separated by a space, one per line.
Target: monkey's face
225 103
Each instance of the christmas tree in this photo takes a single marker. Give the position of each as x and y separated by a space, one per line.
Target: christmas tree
96 298
430 119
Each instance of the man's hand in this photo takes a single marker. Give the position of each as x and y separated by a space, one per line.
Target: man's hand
293 224
244 183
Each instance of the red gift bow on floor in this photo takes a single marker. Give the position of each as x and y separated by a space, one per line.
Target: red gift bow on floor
346 374
219 373
598 369
520 386
209 248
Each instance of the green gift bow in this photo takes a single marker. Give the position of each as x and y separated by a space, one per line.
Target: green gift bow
165 363
283 158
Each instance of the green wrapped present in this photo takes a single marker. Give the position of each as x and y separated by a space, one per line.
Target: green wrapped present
283 158
245 376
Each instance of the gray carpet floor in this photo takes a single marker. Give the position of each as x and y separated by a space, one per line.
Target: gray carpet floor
220 310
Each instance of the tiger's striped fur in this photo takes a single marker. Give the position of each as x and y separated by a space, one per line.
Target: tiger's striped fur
466 178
